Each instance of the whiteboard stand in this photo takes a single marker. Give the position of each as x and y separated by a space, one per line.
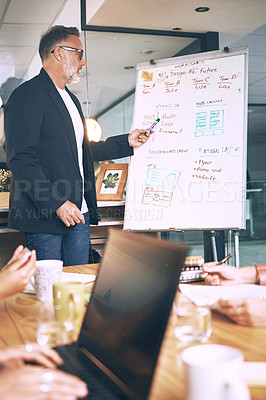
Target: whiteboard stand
236 243
236 240
213 244
229 243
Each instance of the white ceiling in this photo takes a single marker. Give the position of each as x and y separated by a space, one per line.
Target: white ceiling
236 17
240 22
21 24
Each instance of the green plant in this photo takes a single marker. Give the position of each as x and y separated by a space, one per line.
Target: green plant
5 180
111 180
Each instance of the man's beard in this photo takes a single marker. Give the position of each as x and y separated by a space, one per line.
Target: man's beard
71 73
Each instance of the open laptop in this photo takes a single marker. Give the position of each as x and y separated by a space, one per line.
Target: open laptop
126 317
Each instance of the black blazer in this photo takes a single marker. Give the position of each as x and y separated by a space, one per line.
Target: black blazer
42 155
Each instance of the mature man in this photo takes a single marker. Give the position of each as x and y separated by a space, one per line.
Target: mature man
53 200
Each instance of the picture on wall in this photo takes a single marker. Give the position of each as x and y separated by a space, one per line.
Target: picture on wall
111 181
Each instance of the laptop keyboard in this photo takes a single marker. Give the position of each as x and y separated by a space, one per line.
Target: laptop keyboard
74 364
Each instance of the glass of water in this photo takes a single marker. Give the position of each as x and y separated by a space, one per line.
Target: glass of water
192 323
56 324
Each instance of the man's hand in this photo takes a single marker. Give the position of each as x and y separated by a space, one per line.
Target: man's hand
70 214
139 136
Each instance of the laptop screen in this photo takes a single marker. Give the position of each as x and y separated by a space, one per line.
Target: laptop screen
130 305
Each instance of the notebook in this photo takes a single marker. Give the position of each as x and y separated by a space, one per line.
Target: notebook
127 315
192 270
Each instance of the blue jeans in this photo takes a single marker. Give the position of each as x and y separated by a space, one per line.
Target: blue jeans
71 247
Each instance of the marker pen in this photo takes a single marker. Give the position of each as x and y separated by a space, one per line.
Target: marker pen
152 126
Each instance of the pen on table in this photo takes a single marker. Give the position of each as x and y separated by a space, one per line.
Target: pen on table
152 126
204 274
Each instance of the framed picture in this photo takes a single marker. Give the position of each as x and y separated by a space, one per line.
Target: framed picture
111 181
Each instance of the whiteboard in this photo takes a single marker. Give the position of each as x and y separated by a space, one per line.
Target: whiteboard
191 174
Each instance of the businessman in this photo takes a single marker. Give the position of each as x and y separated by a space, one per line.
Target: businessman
53 199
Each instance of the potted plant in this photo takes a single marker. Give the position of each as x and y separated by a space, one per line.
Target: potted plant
5 182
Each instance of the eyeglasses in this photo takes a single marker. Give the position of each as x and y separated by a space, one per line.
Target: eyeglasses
79 51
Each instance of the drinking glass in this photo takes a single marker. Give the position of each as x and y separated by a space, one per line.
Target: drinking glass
192 323
56 324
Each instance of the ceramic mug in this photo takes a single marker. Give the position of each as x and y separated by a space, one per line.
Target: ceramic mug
214 372
48 272
65 292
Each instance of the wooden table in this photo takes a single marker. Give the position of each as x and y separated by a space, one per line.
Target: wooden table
168 384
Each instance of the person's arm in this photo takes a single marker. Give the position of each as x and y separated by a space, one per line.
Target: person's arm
228 275
248 312
42 355
118 146
26 383
261 274
16 274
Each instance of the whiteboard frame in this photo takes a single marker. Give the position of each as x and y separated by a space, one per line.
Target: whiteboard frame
191 57
234 51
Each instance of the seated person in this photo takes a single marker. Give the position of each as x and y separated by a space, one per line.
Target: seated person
246 311
16 274
18 380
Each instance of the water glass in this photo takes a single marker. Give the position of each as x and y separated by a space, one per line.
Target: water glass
192 323
56 324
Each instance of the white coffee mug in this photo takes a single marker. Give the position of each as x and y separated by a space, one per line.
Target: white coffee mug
48 272
214 372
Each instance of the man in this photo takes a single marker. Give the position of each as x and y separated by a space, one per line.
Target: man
53 199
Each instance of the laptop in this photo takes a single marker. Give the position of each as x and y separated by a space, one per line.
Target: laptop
126 318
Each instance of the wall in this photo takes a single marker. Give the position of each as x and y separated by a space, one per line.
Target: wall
118 121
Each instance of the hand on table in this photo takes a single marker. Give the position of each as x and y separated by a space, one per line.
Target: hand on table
17 273
27 383
248 312
138 137
30 352
70 214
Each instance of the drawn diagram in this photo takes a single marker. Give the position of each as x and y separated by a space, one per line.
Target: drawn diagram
209 123
157 198
160 184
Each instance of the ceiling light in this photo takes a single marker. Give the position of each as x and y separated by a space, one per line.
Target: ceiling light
202 9
94 129
146 52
